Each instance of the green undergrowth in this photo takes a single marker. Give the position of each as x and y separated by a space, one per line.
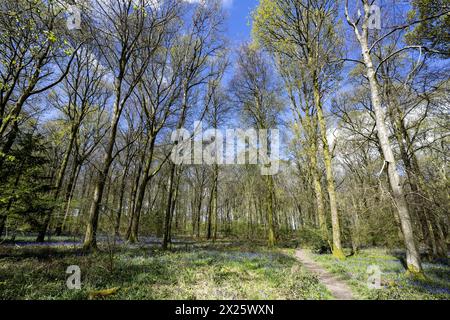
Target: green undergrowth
147 273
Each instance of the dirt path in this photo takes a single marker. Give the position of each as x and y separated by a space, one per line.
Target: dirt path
337 287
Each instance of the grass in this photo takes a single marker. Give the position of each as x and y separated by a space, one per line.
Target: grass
146 273
395 283
202 271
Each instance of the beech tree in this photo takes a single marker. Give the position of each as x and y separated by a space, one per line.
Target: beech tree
304 32
257 93
137 33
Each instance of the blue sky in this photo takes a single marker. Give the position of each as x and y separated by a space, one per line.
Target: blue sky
238 20
238 17
237 24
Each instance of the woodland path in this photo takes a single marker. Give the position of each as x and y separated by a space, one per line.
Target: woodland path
339 289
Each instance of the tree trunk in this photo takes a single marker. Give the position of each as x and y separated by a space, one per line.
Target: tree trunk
336 229
174 204
318 190
198 212
270 200
433 240
141 194
168 209
69 193
90 239
69 200
2 224
209 224
120 204
356 228
412 254
212 208
132 203
58 185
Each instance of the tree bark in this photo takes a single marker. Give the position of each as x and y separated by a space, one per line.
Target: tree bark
132 202
270 214
69 194
141 194
335 225
2 224
123 185
90 240
435 243
212 209
165 242
58 185
310 127
414 264
69 199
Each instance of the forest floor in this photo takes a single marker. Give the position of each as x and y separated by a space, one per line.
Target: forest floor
223 270
220 271
395 283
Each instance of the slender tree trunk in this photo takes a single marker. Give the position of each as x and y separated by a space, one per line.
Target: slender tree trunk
2 224
159 223
120 204
109 190
198 211
414 264
58 185
216 225
168 208
248 208
209 224
141 194
69 196
355 231
193 211
212 208
133 195
174 204
270 214
199 215
310 127
90 239
335 225
433 240
73 177
318 190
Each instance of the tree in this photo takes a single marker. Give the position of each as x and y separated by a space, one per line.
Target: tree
25 199
362 35
433 25
304 33
33 44
83 91
202 43
258 94
138 31
218 109
157 94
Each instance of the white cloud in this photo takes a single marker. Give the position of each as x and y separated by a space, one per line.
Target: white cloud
225 3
